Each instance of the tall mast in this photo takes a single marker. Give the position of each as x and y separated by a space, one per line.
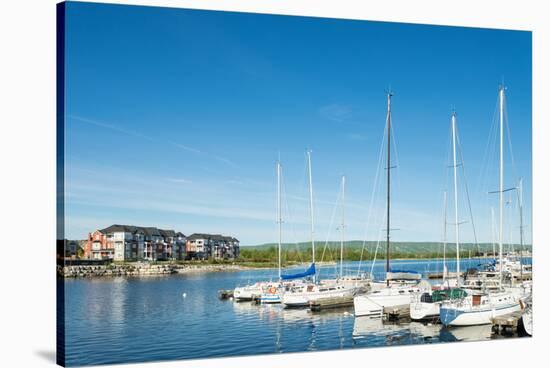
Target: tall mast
444 235
493 230
521 229
311 206
279 216
388 169
501 181
343 226
457 240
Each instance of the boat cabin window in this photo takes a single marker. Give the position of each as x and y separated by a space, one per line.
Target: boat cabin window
476 299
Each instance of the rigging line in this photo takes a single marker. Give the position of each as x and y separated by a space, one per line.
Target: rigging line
466 189
304 190
274 271
396 157
373 196
329 232
489 150
377 245
446 164
507 124
489 157
375 188
290 218
380 226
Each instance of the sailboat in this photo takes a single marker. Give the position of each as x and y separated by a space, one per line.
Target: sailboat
479 307
272 294
296 296
267 291
302 295
399 285
359 281
251 291
426 306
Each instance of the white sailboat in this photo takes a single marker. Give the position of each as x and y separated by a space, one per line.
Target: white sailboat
296 296
359 281
267 291
480 307
400 286
426 306
273 294
251 291
303 294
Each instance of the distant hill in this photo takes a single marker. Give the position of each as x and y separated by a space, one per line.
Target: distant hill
418 248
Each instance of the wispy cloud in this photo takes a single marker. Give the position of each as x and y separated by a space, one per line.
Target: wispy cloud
356 137
179 180
151 139
336 112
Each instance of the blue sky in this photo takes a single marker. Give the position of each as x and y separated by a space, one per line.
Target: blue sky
175 118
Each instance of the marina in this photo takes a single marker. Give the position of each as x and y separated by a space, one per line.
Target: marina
234 183
118 319
315 305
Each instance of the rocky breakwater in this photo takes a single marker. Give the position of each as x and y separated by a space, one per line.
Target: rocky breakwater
191 268
138 269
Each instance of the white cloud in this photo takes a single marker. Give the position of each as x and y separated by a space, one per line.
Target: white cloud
336 112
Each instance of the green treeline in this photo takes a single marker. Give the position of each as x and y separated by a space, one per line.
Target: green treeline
354 251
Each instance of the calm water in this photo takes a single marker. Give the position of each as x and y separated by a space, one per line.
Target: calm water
116 320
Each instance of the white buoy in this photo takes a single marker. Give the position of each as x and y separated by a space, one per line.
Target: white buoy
184 295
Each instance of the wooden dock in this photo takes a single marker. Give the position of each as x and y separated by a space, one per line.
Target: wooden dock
506 324
331 303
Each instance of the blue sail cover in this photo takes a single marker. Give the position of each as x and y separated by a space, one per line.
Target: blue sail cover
310 271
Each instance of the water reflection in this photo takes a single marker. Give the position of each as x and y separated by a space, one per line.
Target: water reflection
115 320
467 333
315 328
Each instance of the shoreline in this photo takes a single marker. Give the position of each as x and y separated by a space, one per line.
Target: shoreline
155 269
140 269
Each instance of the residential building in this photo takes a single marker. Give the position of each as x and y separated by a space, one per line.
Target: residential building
211 246
71 248
132 243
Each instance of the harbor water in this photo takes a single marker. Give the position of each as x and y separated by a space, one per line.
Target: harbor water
133 319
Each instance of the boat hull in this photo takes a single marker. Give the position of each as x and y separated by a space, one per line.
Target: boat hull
422 311
295 300
246 293
303 299
452 316
527 322
373 305
270 299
